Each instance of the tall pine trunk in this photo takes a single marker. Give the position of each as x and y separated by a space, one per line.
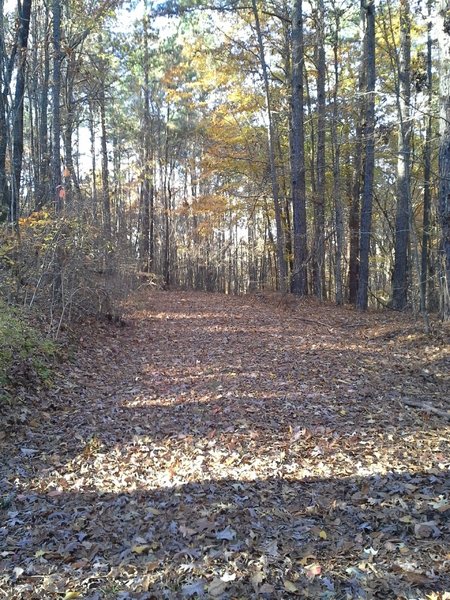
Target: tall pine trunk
43 192
369 165
426 233
299 275
400 275
319 202
282 267
355 206
338 205
57 190
18 105
444 155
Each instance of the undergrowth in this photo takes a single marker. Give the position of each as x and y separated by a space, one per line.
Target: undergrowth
26 356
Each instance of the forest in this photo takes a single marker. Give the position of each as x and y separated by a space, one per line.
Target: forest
226 148
224 299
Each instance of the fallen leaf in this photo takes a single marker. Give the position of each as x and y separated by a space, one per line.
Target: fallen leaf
191 589
313 570
290 586
140 549
217 587
226 534
426 530
29 451
267 588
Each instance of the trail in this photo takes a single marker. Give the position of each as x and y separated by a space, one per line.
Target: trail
231 448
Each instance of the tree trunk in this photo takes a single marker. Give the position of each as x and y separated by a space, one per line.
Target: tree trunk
299 275
105 168
43 191
57 189
4 193
400 275
70 173
427 171
444 154
338 206
145 242
369 142
17 131
319 203
282 269
355 206
93 162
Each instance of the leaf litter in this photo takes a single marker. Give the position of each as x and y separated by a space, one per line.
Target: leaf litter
234 448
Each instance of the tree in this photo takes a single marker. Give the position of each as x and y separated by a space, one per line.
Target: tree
271 138
57 189
426 233
319 200
299 275
24 12
369 163
444 153
403 217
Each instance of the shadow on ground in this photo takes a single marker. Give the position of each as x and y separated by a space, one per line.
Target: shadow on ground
360 537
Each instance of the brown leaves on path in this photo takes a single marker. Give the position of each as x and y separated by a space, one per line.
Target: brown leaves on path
225 447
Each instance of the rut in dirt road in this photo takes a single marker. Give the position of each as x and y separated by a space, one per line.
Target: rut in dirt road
233 448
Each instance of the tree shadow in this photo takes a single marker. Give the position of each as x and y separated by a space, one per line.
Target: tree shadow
383 536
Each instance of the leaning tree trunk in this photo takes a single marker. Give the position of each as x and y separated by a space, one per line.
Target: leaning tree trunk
369 166
299 275
444 155
17 132
400 275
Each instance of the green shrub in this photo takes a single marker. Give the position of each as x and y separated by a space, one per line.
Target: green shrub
25 354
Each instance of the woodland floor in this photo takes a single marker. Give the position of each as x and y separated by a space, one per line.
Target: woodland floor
234 448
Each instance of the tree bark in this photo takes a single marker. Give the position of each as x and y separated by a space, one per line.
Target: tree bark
369 165
57 189
282 268
319 203
355 206
338 205
444 154
17 127
426 233
400 275
105 167
43 191
4 192
300 273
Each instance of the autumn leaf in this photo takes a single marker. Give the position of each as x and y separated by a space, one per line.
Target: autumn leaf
226 534
313 570
290 586
140 549
217 587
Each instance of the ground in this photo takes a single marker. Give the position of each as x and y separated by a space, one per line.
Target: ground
233 448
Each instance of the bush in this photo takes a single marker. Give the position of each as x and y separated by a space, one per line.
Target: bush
25 354
63 267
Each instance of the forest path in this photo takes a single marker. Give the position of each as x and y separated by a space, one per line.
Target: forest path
233 448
